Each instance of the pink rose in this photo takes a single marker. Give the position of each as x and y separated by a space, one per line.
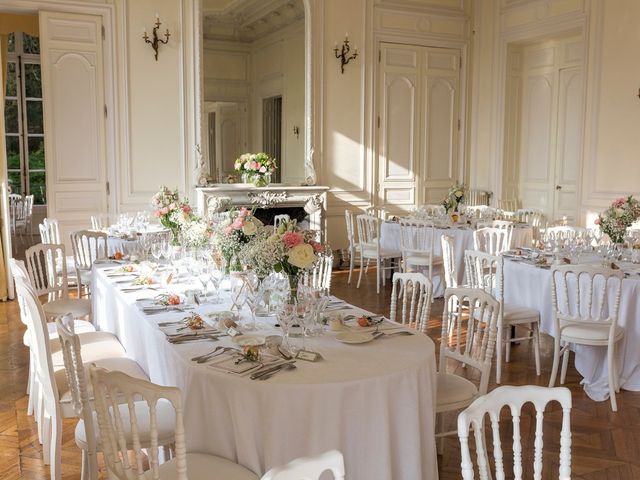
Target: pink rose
263 170
237 224
244 212
291 239
186 209
172 206
163 211
228 230
317 247
619 202
157 213
597 221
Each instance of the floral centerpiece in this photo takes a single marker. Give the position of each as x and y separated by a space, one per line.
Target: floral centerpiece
256 168
194 231
288 250
168 208
232 234
615 220
455 197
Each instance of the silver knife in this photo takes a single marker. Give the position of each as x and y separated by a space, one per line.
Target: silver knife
259 373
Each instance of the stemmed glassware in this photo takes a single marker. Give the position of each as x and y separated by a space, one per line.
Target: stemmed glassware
286 316
238 291
255 296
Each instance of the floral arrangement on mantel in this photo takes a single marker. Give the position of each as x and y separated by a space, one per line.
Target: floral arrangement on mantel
171 211
232 234
615 220
256 168
455 197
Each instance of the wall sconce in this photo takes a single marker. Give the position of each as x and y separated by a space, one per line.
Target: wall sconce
344 56
155 41
296 131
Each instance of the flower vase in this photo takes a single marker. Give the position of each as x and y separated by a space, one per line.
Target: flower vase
262 180
246 178
294 279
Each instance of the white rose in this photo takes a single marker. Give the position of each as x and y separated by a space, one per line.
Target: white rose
302 256
619 212
458 193
249 228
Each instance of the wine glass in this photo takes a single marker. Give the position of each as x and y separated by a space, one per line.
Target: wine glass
216 275
286 316
255 296
157 249
238 291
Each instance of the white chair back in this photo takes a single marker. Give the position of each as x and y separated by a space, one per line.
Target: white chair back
583 295
563 232
485 272
508 204
417 237
45 278
429 211
88 246
111 388
449 261
278 219
19 271
515 398
480 318
78 386
379 212
100 221
310 468
16 208
478 197
319 277
415 292
368 232
492 240
53 230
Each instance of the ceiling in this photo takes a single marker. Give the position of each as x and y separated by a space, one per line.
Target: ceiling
248 20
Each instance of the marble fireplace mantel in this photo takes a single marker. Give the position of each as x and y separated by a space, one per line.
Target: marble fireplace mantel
221 197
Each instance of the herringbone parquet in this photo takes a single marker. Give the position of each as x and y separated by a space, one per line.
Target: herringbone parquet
606 445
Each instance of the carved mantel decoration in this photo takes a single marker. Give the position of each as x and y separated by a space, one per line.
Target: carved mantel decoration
221 197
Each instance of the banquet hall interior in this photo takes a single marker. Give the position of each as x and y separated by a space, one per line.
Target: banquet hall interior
317 239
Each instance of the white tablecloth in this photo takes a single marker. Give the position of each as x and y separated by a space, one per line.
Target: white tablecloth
126 246
530 286
374 402
462 240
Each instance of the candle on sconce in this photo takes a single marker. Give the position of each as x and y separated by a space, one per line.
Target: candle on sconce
346 36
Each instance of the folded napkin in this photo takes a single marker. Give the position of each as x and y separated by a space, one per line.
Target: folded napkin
227 364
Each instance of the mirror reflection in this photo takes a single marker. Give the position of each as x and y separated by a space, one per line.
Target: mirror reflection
254 73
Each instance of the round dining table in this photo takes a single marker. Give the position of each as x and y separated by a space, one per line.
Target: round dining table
374 402
462 236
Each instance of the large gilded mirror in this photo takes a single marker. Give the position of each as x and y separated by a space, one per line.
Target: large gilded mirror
256 87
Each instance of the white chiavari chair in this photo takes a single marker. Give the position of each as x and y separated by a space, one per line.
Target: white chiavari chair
535 218
53 396
86 436
586 302
319 277
310 468
486 272
509 204
50 233
17 216
88 246
354 246
278 219
514 398
455 392
492 240
19 270
370 248
563 232
100 221
46 280
478 197
414 294
417 240
379 212
107 387
429 211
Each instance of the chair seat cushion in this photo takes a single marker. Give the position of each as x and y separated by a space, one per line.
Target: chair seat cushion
513 314
166 425
423 259
79 326
454 390
78 307
370 252
201 465
590 334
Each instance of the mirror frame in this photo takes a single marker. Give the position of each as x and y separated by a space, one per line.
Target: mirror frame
310 174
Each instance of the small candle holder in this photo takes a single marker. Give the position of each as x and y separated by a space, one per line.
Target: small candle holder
344 54
155 41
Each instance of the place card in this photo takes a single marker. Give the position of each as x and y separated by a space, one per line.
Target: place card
232 332
308 356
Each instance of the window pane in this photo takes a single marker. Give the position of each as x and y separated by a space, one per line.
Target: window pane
32 80
11 116
34 116
36 153
37 187
12 42
14 182
13 152
31 44
12 85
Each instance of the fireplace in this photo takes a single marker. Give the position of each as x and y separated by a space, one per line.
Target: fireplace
299 202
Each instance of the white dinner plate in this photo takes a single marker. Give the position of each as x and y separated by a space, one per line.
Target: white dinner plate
354 337
249 340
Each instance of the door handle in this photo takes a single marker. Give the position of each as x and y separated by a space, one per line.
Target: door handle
558 187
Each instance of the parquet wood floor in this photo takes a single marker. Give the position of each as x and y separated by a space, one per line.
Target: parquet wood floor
606 445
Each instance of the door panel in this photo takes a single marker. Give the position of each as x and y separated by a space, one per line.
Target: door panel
73 96
418 133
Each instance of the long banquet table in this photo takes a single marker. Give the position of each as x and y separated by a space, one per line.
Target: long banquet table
530 286
462 240
375 402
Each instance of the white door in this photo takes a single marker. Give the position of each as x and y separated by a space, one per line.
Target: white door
74 111
231 125
418 115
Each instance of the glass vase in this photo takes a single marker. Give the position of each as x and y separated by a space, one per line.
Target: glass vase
262 180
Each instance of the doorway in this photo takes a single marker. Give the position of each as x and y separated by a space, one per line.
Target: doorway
544 125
